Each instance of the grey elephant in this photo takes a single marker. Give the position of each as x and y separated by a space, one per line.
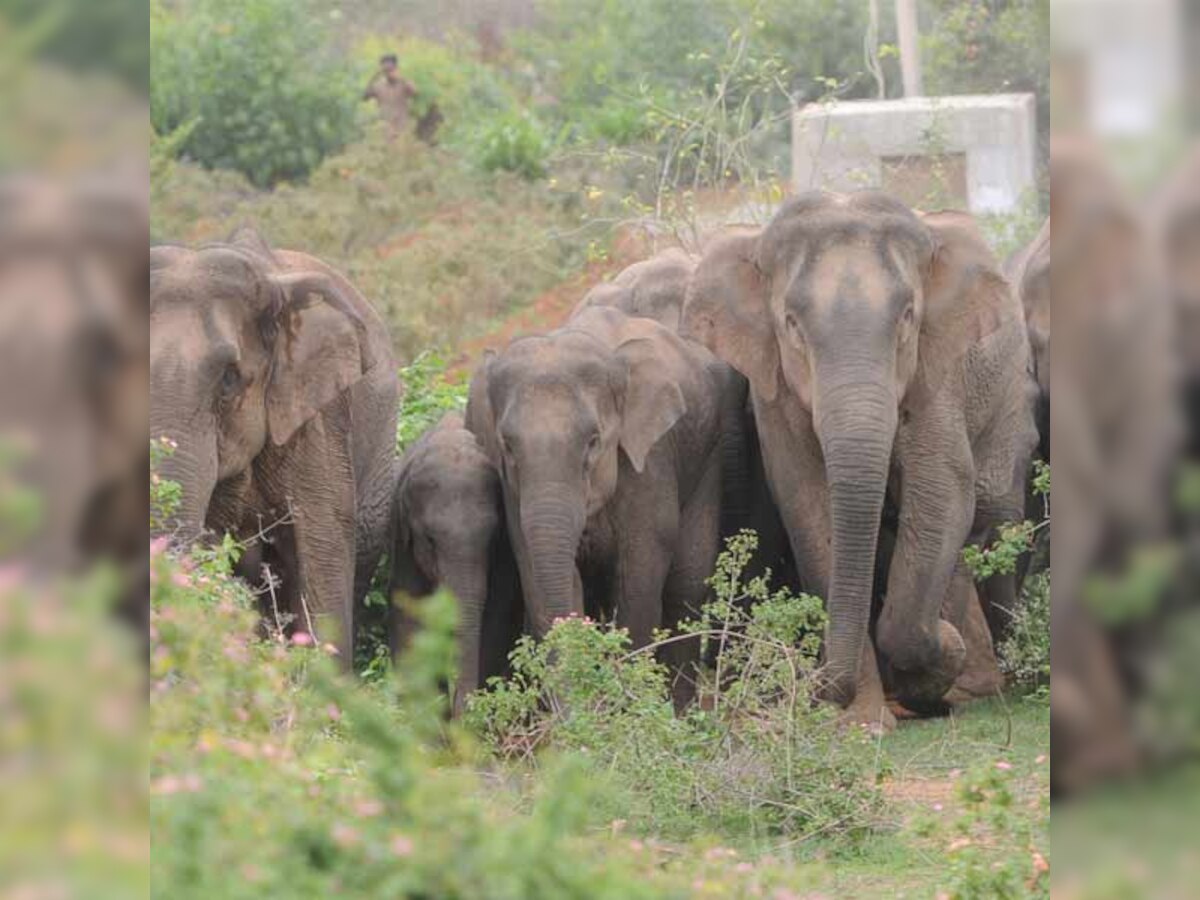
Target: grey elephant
653 288
607 436
880 347
1029 273
450 532
274 377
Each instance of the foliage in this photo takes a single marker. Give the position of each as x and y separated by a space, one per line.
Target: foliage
760 757
267 97
1014 539
988 818
515 142
444 73
440 249
165 494
428 395
272 776
988 46
1024 653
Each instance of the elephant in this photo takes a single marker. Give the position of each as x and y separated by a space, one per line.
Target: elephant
275 380
450 532
885 352
653 288
1029 273
607 434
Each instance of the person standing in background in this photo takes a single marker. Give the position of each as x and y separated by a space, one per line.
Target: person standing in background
392 93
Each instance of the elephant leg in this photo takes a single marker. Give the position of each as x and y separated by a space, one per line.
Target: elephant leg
646 538
316 475
795 470
981 676
870 707
686 589
925 653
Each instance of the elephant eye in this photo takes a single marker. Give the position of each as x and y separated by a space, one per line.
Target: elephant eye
231 379
593 448
909 314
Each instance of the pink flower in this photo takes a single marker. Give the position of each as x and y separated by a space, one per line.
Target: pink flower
1003 766
1041 759
743 868
180 579
331 650
368 808
333 712
344 835
402 845
302 639
937 807
158 546
636 846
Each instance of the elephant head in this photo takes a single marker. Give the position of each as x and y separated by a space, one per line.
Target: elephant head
833 303
242 353
653 288
448 533
556 413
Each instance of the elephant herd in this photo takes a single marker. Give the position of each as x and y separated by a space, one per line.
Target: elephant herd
854 381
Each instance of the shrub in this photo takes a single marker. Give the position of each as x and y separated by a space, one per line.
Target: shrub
988 821
1025 652
756 756
428 395
514 142
267 97
270 775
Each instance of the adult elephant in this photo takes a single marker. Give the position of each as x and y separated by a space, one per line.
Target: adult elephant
879 346
450 532
607 436
1029 273
653 288
274 377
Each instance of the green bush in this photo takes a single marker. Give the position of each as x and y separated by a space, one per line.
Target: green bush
756 756
272 776
428 395
267 97
514 142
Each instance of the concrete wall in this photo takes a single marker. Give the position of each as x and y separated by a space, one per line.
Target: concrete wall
981 145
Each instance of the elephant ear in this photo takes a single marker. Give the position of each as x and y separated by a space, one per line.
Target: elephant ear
321 348
406 575
727 310
966 298
479 419
654 400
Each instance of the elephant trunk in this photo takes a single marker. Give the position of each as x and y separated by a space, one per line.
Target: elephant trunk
466 577
194 467
552 522
856 438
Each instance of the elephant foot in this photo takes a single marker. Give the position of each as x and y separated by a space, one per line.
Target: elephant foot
874 715
981 676
924 691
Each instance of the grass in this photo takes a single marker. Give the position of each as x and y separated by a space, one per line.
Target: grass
923 764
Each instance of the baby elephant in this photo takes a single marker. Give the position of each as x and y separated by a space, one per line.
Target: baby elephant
450 533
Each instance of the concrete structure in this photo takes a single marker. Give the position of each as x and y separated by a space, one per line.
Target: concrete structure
974 152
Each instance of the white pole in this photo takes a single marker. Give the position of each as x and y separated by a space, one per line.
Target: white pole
910 48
